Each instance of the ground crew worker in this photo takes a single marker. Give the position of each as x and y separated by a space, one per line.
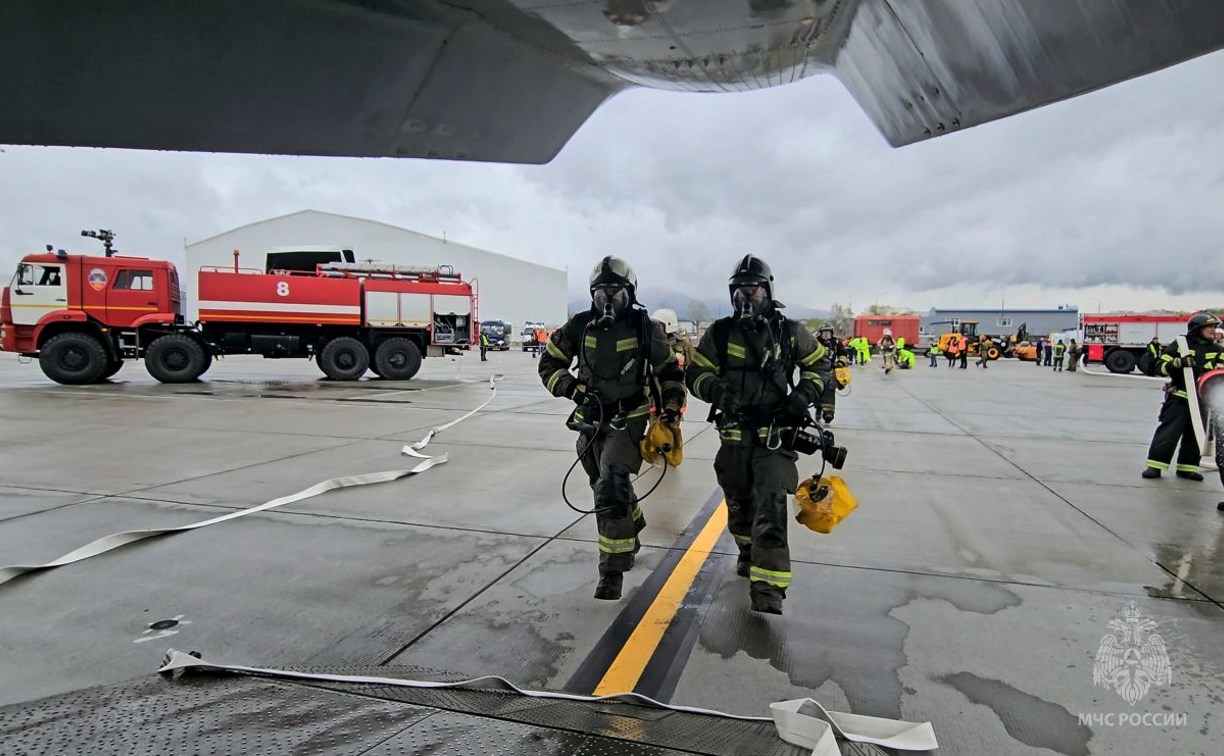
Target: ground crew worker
1175 421
828 396
954 347
744 366
620 353
484 346
1073 356
933 353
964 354
1060 351
984 345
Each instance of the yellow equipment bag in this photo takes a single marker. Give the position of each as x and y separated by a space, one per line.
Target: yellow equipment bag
841 374
662 442
823 503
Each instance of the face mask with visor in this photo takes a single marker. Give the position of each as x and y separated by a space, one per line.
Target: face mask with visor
750 300
610 302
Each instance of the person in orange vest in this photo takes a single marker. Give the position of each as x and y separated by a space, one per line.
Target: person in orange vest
541 337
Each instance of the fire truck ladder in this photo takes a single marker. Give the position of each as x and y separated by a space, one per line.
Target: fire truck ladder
389 270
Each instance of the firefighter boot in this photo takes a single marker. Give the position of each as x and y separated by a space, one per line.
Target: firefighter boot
609 588
1190 475
744 563
766 598
1150 472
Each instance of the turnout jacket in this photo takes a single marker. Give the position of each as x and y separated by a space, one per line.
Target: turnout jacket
758 365
1207 356
610 362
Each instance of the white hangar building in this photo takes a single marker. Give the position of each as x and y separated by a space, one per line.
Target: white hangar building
510 289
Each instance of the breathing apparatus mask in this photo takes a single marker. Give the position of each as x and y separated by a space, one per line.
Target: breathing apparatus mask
610 302
750 301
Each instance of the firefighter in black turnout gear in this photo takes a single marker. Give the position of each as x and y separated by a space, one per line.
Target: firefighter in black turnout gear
621 354
745 367
837 354
1175 420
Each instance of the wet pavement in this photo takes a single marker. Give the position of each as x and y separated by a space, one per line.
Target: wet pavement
1002 526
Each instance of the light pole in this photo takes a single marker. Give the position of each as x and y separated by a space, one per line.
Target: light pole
1094 299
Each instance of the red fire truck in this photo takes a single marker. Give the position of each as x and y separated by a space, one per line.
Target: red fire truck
1118 340
83 316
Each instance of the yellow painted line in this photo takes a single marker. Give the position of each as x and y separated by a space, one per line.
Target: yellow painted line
625 671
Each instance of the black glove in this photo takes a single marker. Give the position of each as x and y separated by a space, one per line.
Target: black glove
725 400
1184 362
671 415
797 404
827 415
577 393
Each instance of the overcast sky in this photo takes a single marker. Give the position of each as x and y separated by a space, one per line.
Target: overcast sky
1113 200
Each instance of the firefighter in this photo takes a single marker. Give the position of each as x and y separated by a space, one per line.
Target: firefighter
887 348
1175 421
678 340
621 353
744 367
837 354
1060 351
1073 356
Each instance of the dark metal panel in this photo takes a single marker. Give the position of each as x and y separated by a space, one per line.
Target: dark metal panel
921 69
321 78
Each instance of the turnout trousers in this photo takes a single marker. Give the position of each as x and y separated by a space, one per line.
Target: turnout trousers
613 458
756 482
1175 426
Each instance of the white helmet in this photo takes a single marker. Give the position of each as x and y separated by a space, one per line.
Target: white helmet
671 324
888 332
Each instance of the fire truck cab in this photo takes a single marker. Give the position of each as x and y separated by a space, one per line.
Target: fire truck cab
81 315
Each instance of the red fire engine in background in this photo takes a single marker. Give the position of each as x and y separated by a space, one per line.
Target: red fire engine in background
1119 340
83 316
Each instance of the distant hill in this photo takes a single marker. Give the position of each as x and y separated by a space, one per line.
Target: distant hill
655 297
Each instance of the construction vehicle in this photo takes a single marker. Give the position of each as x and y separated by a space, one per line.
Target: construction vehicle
83 316
965 331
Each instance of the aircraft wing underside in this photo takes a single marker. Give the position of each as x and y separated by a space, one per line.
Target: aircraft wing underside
512 80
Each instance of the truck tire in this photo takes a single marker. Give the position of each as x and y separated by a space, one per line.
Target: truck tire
1120 361
176 358
344 359
112 367
73 358
993 353
397 359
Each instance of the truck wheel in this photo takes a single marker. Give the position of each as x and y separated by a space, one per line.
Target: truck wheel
397 359
176 358
112 367
1120 361
73 358
344 359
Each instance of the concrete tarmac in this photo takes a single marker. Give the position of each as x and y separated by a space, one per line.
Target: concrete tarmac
1003 534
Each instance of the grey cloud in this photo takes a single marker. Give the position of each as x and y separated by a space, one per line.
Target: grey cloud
1121 186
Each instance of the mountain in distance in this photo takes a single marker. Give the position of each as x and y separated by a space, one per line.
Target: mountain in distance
716 306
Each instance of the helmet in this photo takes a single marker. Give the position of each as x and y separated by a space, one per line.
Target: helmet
671 324
751 271
613 288
613 271
1200 320
888 332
